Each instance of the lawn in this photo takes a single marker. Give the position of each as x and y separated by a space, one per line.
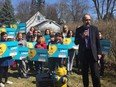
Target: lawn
75 80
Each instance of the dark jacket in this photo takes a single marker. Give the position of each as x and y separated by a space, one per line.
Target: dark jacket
94 42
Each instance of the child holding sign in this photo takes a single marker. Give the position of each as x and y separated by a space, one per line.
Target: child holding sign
5 62
71 54
41 45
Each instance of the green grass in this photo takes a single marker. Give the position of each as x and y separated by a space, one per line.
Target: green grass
75 80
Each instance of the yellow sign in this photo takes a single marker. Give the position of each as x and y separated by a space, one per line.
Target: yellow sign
67 41
3 48
13 26
32 53
2 30
52 49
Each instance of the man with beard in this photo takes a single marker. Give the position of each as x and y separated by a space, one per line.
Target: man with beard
89 50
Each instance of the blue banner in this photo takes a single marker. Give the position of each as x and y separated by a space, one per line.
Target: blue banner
36 54
22 53
58 51
69 42
105 46
10 32
8 49
31 44
47 38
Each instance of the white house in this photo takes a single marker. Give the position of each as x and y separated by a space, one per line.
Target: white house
39 21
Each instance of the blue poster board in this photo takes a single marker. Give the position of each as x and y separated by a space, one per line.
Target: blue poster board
10 32
22 53
36 54
105 46
47 38
8 49
58 51
31 44
69 42
21 28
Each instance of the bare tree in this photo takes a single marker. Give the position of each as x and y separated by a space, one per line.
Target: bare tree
51 12
72 9
105 8
77 8
23 10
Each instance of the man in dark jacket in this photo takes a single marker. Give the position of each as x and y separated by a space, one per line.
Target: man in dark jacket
89 50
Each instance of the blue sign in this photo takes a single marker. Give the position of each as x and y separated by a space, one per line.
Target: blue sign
47 38
69 42
58 51
10 32
21 28
8 49
105 46
31 44
36 54
22 53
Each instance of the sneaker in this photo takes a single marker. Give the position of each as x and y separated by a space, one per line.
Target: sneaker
9 82
27 76
19 77
71 72
2 85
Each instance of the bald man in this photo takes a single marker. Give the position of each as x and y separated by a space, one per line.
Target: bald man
89 50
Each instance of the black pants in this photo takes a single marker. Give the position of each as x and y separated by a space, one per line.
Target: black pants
87 62
3 72
102 65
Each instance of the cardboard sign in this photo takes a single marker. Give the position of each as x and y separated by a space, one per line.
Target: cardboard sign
69 42
8 49
105 46
10 32
58 51
22 53
36 54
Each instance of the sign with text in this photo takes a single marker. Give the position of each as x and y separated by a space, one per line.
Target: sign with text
69 42
36 54
10 32
8 49
105 46
58 51
22 53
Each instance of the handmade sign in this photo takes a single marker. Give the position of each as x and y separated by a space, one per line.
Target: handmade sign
22 53
8 49
36 54
69 42
58 51
46 38
105 46
10 32
31 44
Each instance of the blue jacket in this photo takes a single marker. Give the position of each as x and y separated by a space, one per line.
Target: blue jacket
7 61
